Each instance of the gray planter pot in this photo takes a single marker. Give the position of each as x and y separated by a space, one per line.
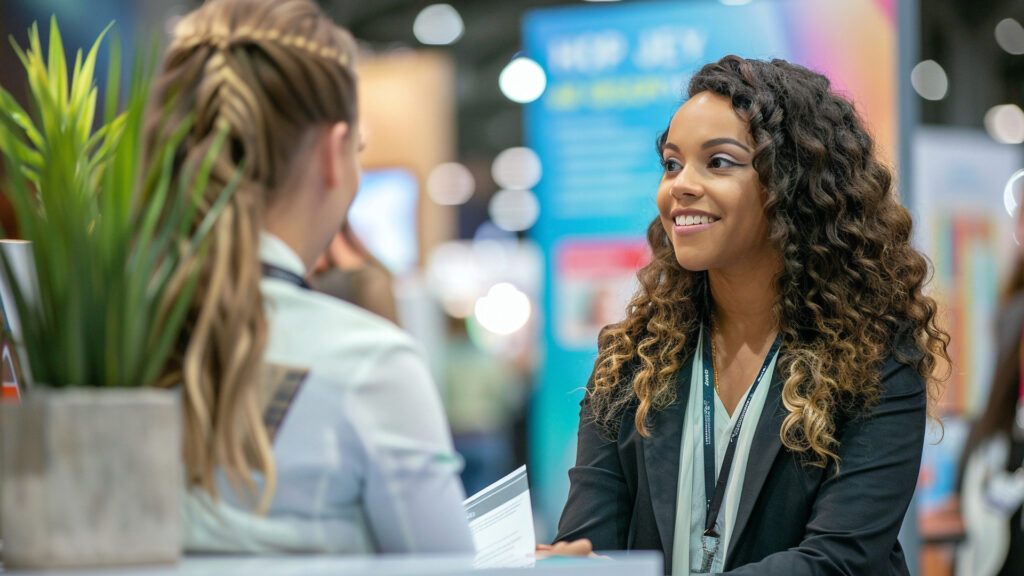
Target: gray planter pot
91 477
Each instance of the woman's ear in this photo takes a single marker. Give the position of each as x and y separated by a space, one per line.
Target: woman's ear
332 148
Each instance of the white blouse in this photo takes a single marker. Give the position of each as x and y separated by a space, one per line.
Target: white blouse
687 547
364 457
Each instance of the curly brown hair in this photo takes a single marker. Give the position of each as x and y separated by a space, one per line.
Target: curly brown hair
851 285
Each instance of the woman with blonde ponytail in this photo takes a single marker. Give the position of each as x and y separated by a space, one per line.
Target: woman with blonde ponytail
310 425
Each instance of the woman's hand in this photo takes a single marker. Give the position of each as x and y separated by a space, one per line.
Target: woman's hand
581 548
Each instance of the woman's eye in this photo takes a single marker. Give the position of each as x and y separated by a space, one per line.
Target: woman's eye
721 162
671 165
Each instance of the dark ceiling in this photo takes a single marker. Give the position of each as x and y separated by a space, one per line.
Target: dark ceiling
959 35
488 122
956 33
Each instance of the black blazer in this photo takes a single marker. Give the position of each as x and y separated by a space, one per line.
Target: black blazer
792 519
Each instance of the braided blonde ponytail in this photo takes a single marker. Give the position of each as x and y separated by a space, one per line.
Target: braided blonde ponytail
265 75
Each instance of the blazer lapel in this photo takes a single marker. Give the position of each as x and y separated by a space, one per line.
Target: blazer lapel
763 449
661 457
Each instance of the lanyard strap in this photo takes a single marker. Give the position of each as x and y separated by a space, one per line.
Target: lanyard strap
271 271
714 492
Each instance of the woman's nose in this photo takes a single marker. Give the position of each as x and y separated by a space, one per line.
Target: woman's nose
687 183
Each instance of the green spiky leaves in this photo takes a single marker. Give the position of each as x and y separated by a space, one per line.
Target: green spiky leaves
116 254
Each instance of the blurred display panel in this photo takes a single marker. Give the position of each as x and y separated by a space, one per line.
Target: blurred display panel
384 217
615 74
407 120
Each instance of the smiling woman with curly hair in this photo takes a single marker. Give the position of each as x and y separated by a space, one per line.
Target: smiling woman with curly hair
761 408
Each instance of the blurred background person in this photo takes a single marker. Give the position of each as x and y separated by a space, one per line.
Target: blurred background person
991 475
483 398
347 270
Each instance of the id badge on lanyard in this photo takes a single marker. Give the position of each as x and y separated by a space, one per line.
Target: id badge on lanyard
709 547
714 491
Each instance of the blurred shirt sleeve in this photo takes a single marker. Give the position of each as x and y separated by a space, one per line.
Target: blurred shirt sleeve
413 495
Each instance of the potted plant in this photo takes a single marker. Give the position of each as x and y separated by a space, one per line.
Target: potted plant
91 456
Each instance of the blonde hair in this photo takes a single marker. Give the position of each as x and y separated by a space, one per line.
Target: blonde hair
265 75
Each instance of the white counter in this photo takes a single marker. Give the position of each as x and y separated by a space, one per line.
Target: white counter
634 564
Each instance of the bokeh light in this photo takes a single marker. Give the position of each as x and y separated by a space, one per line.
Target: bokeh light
929 80
450 184
1010 36
1005 123
454 277
514 210
516 168
522 80
503 310
487 231
438 25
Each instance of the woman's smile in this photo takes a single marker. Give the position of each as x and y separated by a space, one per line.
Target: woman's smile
689 222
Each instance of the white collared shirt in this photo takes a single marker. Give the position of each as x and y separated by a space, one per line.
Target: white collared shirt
687 548
364 458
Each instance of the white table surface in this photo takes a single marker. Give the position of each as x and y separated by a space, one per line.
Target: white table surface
634 564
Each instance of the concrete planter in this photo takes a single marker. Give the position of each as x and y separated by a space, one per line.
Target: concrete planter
91 477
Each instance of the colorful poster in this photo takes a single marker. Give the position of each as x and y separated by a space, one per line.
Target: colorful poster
964 228
595 278
615 75
9 375
13 360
